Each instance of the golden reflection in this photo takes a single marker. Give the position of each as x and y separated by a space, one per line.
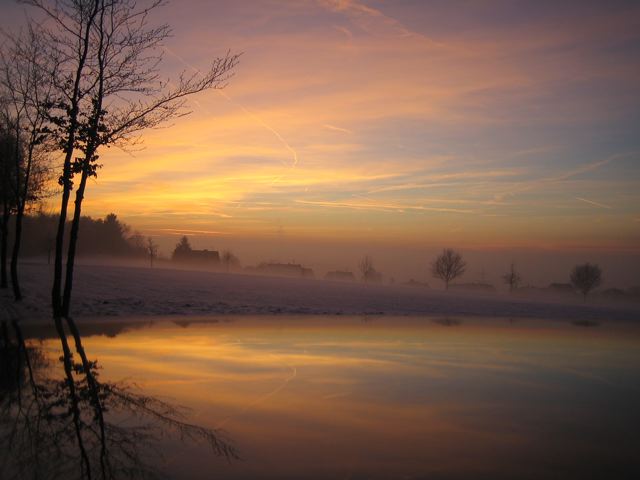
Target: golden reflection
391 397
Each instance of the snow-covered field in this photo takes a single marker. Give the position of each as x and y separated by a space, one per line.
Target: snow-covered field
102 290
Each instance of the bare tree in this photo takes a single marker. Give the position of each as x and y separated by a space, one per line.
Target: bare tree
25 78
108 90
512 277
448 266
152 250
229 260
368 271
585 278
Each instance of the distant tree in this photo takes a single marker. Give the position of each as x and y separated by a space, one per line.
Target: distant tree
152 250
512 277
368 271
183 248
448 266
137 243
585 278
229 260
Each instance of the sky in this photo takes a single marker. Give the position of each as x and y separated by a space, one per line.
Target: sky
408 124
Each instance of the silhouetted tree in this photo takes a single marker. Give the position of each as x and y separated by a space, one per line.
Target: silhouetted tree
448 266
367 270
107 91
512 277
585 278
152 250
136 241
25 79
183 249
229 260
100 236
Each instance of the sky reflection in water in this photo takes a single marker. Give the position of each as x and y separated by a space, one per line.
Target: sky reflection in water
392 397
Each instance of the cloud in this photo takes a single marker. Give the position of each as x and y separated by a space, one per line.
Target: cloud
294 154
336 129
372 20
379 206
591 202
181 231
526 186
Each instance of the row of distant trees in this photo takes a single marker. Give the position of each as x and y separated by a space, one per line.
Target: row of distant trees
449 265
102 236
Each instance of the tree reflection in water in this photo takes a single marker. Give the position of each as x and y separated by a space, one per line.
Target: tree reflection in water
77 426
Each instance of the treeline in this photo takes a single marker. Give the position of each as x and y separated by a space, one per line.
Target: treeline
102 236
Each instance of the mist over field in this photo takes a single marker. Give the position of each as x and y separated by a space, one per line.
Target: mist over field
402 262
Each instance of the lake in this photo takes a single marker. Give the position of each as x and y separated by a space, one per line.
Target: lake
372 397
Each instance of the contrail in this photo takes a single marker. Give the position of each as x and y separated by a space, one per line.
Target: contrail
263 398
286 145
336 129
591 202
265 125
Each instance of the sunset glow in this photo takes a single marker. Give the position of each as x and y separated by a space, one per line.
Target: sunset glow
488 123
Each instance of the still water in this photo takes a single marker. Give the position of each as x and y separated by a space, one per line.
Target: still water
381 397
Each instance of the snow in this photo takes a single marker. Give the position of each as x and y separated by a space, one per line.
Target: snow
120 291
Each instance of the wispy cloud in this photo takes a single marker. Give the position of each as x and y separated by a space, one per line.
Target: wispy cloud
448 179
380 206
373 20
294 154
186 232
336 129
530 185
591 202
242 107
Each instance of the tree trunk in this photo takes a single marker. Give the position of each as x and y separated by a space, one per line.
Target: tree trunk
4 238
56 297
21 198
17 294
73 240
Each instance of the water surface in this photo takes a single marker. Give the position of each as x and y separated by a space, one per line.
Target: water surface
381 397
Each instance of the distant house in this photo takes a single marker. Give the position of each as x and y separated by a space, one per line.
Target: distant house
340 275
634 292
473 287
284 269
201 257
416 283
561 289
614 294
